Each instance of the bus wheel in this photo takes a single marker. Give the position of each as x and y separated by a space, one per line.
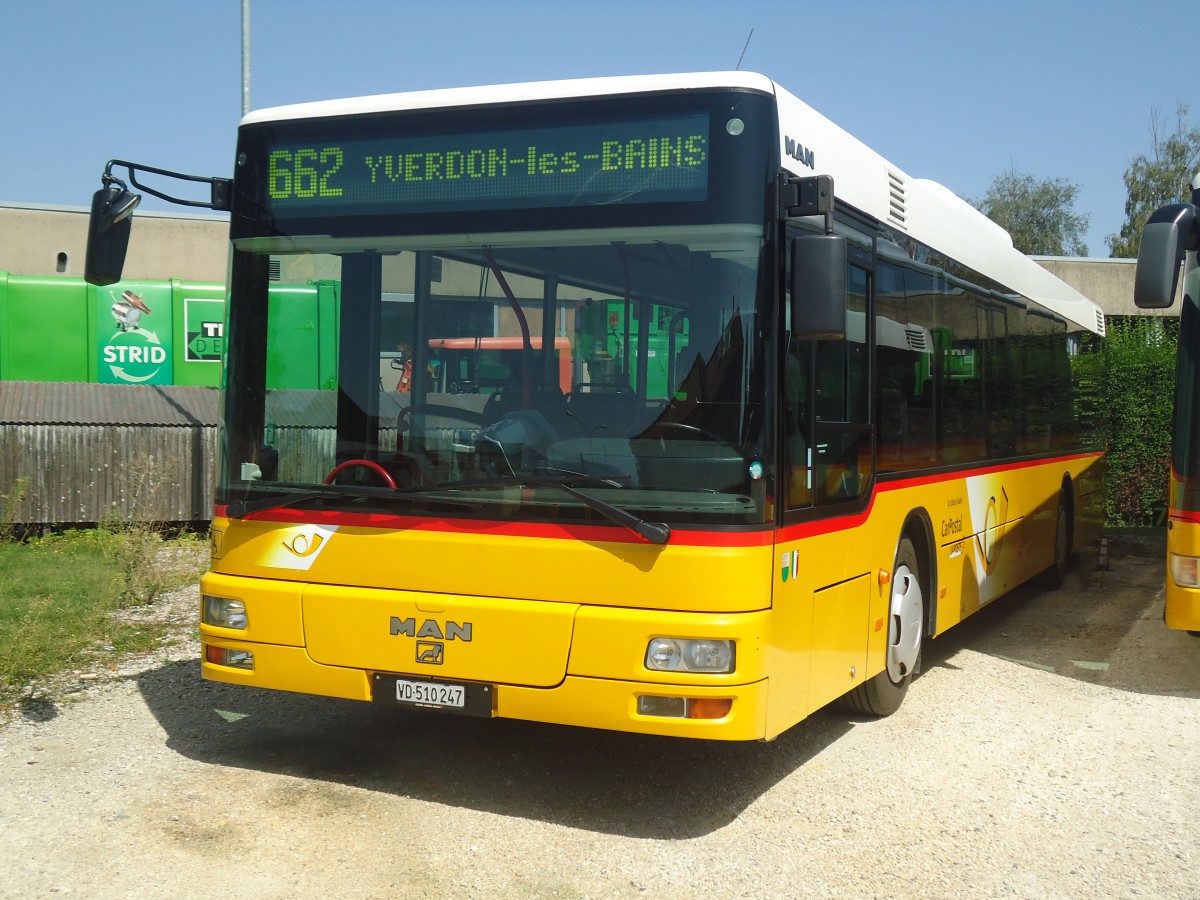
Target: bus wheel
883 694
1053 577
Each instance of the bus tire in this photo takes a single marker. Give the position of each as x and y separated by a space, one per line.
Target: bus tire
883 694
1053 577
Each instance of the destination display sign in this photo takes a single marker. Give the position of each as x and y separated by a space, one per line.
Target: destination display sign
641 160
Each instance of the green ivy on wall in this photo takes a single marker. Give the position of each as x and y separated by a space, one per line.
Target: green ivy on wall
1124 398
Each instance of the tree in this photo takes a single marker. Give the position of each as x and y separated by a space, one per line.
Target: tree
1038 213
1157 179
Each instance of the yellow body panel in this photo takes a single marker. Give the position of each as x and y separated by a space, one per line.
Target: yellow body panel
839 652
1182 606
559 625
446 635
491 562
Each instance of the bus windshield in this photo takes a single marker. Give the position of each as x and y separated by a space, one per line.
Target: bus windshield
486 371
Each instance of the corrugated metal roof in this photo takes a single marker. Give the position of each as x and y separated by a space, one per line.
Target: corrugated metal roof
73 403
291 407
301 408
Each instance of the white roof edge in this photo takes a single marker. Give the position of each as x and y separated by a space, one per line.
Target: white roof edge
511 93
946 222
1116 260
933 213
930 212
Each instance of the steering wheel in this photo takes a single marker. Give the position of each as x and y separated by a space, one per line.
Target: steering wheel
366 464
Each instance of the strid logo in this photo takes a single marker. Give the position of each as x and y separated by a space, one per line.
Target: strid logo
133 354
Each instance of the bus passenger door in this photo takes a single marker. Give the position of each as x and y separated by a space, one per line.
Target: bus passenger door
829 449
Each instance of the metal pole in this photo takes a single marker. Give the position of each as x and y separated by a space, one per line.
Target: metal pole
245 56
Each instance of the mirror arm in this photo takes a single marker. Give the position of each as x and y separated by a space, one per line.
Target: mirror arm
818 279
221 195
806 196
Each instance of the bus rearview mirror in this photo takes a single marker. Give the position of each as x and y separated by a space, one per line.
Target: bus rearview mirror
819 287
1169 233
109 225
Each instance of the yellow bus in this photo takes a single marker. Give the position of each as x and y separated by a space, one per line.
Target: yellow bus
819 411
1169 241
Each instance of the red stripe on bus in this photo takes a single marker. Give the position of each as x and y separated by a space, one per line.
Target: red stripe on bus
608 534
854 520
492 527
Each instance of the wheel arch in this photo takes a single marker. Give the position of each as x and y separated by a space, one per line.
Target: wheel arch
918 528
1066 494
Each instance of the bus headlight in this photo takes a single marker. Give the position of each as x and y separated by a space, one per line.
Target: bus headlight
689 655
224 612
1185 570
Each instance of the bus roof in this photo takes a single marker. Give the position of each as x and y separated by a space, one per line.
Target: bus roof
488 95
810 144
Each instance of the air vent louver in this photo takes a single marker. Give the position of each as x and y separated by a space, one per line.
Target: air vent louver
897 202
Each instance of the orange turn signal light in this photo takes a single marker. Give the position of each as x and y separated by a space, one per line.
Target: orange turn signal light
708 709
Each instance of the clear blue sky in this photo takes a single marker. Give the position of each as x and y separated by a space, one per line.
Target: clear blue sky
952 90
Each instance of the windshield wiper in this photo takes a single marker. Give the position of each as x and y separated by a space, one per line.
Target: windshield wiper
241 508
654 532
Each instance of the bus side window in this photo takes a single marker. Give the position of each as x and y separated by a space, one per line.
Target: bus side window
826 419
842 431
906 368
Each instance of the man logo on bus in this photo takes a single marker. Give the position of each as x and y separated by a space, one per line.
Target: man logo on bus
799 152
431 653
431 628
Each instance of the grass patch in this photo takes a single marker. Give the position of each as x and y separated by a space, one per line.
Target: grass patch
58 596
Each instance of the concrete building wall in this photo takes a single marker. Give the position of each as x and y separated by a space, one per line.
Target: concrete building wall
1107 282
47 240
52 240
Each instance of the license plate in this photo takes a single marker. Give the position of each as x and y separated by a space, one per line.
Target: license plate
431 693
470 699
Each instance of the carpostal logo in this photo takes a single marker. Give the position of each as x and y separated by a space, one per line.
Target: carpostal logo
133 354
297 547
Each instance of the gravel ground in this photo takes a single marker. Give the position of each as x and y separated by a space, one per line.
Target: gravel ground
1050 749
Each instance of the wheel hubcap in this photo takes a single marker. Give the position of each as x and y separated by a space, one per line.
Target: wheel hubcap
904 635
